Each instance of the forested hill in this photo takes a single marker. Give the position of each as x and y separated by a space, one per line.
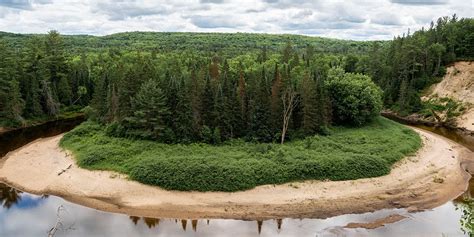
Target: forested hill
186 87
230 44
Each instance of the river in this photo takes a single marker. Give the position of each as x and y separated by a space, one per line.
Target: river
24 214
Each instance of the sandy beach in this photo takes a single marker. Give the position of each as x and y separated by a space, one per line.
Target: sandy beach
428 179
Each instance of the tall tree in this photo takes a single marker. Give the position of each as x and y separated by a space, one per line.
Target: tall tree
149 109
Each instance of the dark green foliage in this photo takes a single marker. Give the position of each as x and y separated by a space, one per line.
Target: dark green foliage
10 97
230 83
411 62
149 110
348 153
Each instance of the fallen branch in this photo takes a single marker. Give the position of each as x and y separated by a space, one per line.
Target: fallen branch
64 170
59 224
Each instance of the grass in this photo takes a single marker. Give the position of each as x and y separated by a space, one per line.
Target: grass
348 153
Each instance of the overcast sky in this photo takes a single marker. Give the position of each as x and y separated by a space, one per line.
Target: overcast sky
358 19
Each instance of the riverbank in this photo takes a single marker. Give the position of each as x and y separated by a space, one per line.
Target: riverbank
415 120
430 178
39 122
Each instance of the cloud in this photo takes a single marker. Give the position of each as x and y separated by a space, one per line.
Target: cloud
120 10
421 2
355 19
211 1
386 18
215 22
22 4
18 4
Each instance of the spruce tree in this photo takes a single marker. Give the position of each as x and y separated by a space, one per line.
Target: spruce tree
149 110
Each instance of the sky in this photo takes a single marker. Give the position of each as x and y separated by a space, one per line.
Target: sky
357 19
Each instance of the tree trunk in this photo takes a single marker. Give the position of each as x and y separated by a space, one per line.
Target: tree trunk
289 103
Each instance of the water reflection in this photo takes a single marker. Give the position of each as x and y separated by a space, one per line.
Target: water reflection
467 218
26 215
465 204
8 196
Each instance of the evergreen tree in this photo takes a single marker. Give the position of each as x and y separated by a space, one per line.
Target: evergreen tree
207 98
260 127
309 104
276 104
34 72
149 110
55 63
11 103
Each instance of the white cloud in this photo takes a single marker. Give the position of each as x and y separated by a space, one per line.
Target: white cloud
357 19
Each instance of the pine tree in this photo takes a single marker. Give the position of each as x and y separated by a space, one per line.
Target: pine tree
34 72
309 105
196 103
260 127
14 104
207 107
242 100
99 102
55 63
182 114
11 103
149 110
287 52
276 103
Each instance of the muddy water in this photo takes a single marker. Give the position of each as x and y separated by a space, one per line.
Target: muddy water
453 134
23 214
14 139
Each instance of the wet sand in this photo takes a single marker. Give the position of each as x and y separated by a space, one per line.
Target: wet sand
428 179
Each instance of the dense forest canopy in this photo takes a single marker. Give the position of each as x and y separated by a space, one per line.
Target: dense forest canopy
225 44
186 87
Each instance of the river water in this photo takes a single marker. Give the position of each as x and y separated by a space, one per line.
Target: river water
24 215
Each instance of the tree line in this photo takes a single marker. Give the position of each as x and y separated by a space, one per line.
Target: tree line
414 61
211 96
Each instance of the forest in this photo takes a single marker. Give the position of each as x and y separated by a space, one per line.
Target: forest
193 87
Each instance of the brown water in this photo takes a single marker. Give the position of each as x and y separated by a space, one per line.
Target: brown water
17 138
24 214
452 134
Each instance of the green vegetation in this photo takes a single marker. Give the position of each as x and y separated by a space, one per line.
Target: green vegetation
355 98
347 153
414 61
43 75
241 93
225 44
444 110
466 206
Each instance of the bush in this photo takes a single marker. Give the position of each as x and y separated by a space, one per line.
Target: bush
356 100
344 154
206 134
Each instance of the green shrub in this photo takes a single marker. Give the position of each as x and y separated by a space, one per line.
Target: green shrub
344 154
355 98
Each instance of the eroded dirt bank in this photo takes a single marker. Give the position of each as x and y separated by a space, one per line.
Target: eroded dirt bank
458 84
430 178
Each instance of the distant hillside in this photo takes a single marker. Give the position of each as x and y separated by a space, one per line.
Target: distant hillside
231 43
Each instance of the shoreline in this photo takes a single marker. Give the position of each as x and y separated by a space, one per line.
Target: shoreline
423 181
78 115
413 120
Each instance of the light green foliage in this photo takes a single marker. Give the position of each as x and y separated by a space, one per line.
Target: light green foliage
466 207
348 153
444 109
355 98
